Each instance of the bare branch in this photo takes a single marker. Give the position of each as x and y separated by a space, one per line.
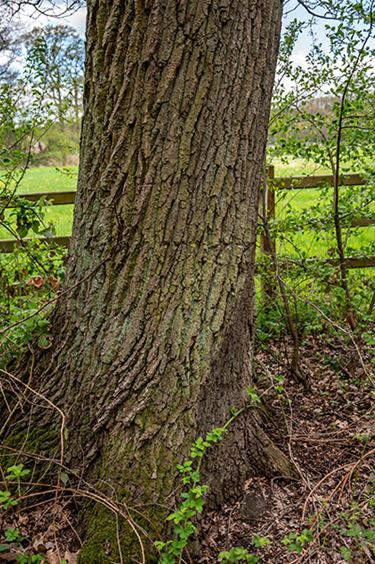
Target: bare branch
50 8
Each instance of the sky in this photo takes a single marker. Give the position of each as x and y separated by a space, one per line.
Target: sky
292 9
29 19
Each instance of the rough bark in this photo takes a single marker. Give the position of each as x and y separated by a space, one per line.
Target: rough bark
155 347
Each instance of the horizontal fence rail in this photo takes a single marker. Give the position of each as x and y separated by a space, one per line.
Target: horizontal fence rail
349 262
10 245
273 185
305 182
54 198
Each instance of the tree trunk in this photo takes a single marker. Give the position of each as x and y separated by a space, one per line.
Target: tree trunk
155 346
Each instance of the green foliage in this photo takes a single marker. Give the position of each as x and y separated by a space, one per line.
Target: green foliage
362 538
238 554
29 216
34 271
58 51
305 124
358 532
13 535
31 558
6 500
346 553
260 541
28 277
253 396
17 473
322 116
193 499
296 542
279 387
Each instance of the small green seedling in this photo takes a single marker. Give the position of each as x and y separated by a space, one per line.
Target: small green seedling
6 499
238 554
295 542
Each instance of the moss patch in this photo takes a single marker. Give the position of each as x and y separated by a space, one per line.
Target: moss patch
36 440
103 533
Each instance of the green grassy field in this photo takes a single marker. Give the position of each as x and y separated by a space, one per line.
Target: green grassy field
312 243
50 179
45 179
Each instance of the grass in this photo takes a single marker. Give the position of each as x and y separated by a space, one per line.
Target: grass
298 167
45 179
312 243
50 179
319 243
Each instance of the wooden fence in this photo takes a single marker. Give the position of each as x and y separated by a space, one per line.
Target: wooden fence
268 208
56 199
272 186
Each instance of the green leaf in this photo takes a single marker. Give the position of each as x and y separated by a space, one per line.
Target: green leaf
16 472
295 548
6 500
45 341
160 545
346 553
259 541
238 554
13 535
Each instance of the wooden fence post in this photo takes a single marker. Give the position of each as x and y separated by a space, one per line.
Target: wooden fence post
267 243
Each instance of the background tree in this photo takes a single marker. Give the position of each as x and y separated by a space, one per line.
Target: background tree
9 49
58 51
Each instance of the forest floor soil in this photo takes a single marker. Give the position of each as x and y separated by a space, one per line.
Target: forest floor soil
324 516
327 515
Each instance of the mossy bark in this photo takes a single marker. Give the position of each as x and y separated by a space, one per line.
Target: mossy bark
154 346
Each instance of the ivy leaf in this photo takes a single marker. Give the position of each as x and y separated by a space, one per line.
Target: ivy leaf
44 341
